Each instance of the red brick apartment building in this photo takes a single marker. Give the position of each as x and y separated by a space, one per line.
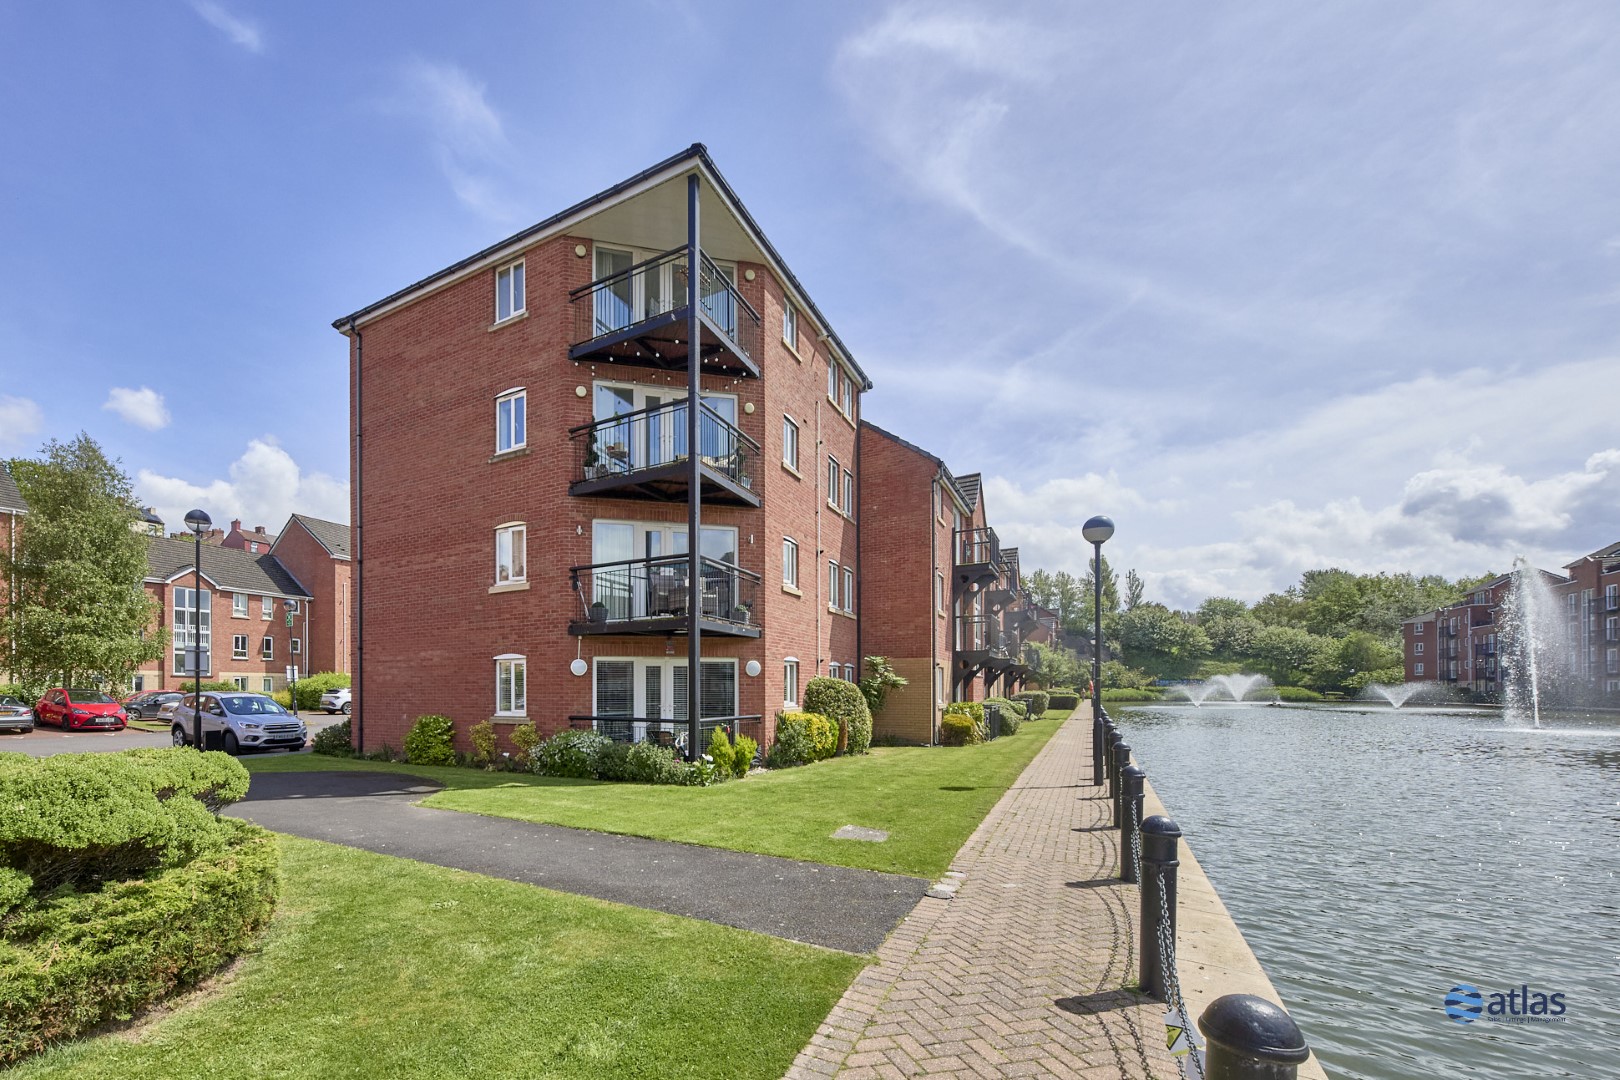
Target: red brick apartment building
1462 644
536 393
253 542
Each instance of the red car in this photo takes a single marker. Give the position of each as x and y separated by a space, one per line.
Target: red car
80 710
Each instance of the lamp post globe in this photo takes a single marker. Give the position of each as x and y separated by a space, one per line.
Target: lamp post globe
198 522
1097 530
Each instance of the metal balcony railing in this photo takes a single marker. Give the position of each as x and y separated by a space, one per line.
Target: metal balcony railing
651 595
639 314
978 547
647 449
670 732
981 634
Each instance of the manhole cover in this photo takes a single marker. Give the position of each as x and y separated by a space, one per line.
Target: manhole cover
855 832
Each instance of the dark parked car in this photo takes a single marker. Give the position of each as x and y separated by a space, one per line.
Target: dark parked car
15 715
148 703
79 710
246 722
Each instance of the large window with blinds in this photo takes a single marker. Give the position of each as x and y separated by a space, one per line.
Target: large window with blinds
656 689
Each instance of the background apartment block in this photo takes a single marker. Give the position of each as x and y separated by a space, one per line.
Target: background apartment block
534 395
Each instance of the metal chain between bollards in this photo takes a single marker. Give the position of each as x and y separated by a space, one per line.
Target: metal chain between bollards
1136 853
1167 971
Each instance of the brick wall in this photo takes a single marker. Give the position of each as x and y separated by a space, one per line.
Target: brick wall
224 626
330 629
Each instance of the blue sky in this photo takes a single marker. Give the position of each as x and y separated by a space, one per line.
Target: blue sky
1277 286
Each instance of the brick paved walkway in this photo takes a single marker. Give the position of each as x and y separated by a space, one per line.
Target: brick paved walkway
1021 974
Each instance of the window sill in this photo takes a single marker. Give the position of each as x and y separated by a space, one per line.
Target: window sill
794 349
517 316
792 471
845 614
515 452
514 720
791 591
510 586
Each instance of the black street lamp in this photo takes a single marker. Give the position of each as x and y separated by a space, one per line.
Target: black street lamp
197 522
1096 531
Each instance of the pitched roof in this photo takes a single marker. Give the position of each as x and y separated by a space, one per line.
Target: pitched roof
945 472
149 516
11 500
231 569
698 154
1610 552
329 534
970 485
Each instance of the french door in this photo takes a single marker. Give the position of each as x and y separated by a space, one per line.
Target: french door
656 436
644 589
653 693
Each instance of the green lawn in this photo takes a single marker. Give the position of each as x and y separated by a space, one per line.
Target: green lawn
929 799
382 967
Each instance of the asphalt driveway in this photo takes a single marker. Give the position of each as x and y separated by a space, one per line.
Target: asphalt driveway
832 906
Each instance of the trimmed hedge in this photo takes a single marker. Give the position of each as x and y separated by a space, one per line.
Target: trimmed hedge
974 711
1297 693
585 755
118 885
431 741
1036 701
958 729
571 753
1062 699
802 737
1130 695
844 704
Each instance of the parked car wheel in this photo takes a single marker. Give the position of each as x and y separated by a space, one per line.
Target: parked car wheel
177 735
232 747
346 708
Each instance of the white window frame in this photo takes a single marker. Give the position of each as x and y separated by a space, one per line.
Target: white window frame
518 428
518 666
790 682
240 682
847 502
1417 649
832 583
832 381
515 569
296 646
847 602
1419 628
790 325
665 667
939 591
514 291
267 648
239 605
790 443
239 646
267 608
269 684
790 562
846 397
1417 668
202 601
833 474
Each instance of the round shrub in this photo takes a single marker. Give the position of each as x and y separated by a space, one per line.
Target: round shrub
118 885
431 741
1062 699
742 756
572 753
649 763
958 729
311 687
334 739
802 737
525 738
844 704
1036 701
720 751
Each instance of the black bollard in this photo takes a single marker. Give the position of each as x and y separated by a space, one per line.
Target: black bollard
1132 824
1160 837
1251 1039
1096 748
1122 761
1109 758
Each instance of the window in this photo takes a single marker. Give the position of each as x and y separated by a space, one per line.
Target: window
1418 648
849 590
509 291
511 553
239 604
848 505
239 647
847 398
790 682
266 684
268 648
790 326
511 688
253 547
509 433
239 681
189 658
790 563
649 690
790 443
140 683
939 591
1417 669
267 607
832 381
297 646
832 481
832 583
1419 629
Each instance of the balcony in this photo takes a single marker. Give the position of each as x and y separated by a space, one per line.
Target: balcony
980 641
978 559
643 455
638 316
651 596
1447 630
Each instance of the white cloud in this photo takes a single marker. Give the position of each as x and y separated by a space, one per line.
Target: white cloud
468 137
20 420
143 407
265 485
238 30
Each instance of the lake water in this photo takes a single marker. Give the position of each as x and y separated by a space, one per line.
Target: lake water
1375 858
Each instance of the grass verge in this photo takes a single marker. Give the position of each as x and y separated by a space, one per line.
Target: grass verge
929 800
382 967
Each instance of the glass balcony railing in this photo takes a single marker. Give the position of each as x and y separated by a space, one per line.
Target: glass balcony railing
643 453
652 596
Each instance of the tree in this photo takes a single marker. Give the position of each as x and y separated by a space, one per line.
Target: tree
81 612
1088 588
1160 642
881 678
1287 654
1218 607
1133 590
1057 666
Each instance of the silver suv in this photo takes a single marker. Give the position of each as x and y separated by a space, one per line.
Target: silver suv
336 701
249 721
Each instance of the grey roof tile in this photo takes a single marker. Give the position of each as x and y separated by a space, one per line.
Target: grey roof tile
329 534
232 569
11 500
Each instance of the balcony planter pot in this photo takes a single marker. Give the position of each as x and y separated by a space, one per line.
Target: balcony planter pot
740 614
599 612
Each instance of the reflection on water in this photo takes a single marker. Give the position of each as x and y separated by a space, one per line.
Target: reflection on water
1376 858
